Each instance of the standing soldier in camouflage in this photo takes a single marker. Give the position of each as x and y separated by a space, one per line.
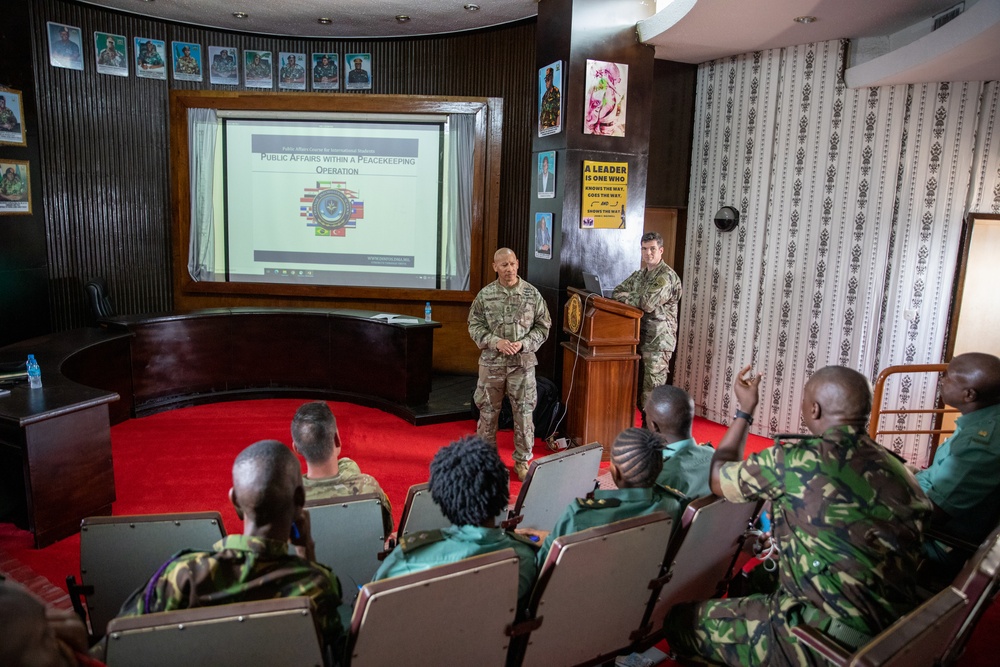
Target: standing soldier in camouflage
509 321
548 115
328 475
267 494
656 289
847 519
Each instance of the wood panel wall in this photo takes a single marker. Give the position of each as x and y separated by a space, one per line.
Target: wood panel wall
104 157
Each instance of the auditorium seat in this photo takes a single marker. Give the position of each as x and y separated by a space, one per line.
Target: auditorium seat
592 592
979 581
700 559
918 639
552 483
281 631
420 512
98 299
349 537
455 614
118 554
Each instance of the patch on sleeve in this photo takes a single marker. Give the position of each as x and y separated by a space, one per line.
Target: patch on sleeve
417 540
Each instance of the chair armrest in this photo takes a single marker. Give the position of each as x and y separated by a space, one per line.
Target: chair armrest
822 644
950 540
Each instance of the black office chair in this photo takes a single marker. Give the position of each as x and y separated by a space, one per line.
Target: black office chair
97 297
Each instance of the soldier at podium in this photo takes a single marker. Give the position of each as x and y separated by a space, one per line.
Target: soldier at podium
509 321
655 289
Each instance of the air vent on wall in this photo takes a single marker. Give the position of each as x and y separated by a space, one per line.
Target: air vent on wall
947 15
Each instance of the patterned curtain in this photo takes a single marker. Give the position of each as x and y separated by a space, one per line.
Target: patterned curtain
852 205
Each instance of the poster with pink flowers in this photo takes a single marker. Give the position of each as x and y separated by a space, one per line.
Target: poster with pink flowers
607 90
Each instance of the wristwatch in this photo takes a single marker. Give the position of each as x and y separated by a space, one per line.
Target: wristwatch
744 415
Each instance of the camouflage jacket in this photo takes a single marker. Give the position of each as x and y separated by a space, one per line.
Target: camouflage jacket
349 481
548 115
518 314
657 292
848 519
241 569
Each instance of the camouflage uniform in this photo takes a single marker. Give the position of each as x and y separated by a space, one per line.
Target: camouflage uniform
150 59
847 517
188 65
349 481
517 314
111 58
426 549
610 505
328 72
241 569
259 70
293 73
657 292
548 115
11 187
686 467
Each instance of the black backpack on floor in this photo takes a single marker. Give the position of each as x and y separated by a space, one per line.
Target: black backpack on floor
548 410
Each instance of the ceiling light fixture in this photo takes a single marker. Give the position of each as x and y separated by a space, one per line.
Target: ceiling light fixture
402 18
804 19
324 20
471 7
241 15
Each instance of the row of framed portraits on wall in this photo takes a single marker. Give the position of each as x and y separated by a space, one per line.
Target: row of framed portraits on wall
604 104
188 62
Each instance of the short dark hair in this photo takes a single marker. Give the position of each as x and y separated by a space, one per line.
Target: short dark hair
265 476
469 481
314 429
638 455
652 236
672 407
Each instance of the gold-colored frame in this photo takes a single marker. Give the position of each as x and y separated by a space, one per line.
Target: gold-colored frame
21 206
6 136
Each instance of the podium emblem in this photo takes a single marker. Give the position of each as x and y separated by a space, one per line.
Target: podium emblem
574 314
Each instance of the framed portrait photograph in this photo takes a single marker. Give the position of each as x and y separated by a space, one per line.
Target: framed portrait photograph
257 69
11 118
550 99
543 235
186 59
149 60
605 97
326 71
111 54
546 175
65 46
225 67
291 71
359 71
15 188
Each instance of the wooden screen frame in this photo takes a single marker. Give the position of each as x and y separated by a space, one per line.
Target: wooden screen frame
488 113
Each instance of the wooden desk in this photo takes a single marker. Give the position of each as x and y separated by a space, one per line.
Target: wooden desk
59 436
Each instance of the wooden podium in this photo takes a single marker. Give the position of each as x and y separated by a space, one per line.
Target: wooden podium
600 367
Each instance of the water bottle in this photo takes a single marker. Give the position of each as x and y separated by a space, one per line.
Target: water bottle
427 312
34 373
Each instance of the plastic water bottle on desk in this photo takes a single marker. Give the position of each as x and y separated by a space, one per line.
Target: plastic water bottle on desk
427 312
34 373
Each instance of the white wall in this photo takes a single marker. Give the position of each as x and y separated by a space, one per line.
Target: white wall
852 205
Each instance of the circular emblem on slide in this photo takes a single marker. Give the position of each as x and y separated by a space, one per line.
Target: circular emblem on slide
332 209
574 314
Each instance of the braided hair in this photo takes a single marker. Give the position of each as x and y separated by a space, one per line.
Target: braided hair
469 481
638 455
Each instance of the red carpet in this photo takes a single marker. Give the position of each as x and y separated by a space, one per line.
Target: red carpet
180 461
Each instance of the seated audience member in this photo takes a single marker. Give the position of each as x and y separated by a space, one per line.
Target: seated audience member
670 412
268 496
470 484
963 481
847 518
34 635
316 438
636 461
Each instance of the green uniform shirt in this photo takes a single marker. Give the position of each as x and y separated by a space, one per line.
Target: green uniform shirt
241 569
686 468
608 506
848 519
349 481
517 314
451 544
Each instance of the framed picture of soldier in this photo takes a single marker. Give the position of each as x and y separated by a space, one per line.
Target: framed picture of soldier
15 188
225 67
111 54
11 118
550 104
326 71
359 71
65 46
149 60
258 71
291 71
186 59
